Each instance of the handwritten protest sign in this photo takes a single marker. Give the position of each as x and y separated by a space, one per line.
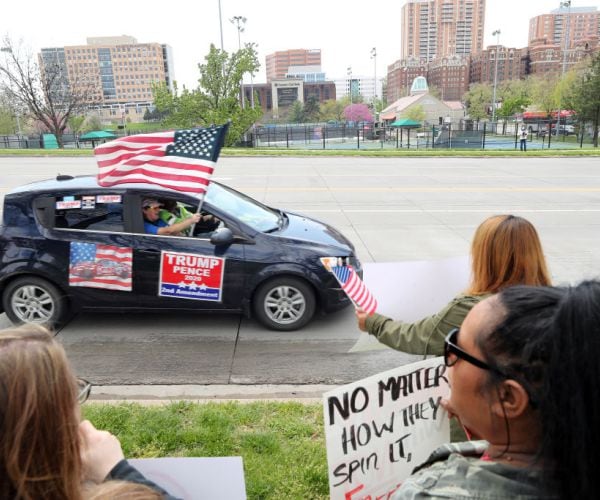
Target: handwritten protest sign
379 428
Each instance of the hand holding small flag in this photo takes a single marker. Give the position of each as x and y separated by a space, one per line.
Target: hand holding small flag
355 288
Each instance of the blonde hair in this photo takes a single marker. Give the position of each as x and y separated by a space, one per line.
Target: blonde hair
506 250
122 490
40 448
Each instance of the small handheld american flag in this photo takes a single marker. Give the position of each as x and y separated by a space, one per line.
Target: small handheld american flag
355 288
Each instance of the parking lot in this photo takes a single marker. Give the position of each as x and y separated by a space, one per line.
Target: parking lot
392 209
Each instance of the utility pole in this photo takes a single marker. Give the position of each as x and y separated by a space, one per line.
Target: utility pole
497 35
374 57
221 25
349 73
240 21
567 4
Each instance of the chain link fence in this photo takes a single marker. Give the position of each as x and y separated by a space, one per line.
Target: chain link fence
466 134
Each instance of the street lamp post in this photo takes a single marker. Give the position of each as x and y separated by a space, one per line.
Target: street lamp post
497 35
374 57
240 21
567 4
221 25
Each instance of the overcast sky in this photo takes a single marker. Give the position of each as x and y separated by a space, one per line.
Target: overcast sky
345 31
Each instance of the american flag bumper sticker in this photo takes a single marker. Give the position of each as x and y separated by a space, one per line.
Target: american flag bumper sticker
191 276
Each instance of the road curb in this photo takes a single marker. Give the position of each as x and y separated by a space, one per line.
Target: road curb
164 394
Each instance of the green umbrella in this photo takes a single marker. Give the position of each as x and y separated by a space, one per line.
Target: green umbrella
406 123
97 135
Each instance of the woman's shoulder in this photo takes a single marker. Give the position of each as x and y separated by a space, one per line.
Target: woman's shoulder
462 474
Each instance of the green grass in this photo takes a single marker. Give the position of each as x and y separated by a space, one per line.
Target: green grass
282 444
390 153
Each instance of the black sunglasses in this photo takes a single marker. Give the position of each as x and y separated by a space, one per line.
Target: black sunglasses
452 353
84 388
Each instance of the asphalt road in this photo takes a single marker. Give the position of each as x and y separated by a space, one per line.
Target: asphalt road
392 209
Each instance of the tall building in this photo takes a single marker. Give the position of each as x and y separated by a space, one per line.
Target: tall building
433 29
512 64
575 24
278 63
121 71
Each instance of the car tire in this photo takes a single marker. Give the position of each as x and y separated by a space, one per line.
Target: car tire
34 300
284 304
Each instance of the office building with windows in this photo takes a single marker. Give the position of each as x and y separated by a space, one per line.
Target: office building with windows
278 63
120 70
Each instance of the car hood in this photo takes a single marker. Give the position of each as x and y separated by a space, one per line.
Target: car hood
305 229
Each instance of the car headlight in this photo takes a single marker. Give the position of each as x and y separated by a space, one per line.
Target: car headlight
329 262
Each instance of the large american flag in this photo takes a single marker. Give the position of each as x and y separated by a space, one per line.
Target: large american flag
183 160
355 288
100 266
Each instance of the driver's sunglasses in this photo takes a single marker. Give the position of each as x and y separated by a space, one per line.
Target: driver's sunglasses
84 388
452 353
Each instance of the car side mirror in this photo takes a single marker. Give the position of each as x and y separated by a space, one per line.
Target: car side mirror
222 236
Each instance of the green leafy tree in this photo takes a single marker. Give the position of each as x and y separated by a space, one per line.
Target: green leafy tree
296 113
543 93
92 123
311 109
217 98
76 122
416 113
332 110
8 123
478 99
584 96
515 97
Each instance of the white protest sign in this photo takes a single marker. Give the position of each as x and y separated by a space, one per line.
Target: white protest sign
196 478
410 291
379 428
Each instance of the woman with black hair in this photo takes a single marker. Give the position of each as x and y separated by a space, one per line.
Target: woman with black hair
524 372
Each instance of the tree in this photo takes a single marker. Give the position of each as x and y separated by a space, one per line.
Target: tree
478 99
296 114
332 110
46 94
543 93
515 97
311 109
416 113
76 122
584 96
358 113
216 100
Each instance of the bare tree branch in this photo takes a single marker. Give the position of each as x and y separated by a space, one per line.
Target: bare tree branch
44 89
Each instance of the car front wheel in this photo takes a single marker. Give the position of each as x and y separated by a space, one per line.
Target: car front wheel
34 300
284 304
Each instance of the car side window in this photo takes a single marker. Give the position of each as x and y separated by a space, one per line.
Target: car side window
95 213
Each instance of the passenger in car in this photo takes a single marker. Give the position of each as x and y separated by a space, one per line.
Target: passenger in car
174 212
153 224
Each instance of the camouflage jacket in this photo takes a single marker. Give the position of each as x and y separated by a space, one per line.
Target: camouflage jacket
456 471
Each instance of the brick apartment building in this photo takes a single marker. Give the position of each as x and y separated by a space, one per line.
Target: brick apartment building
433 29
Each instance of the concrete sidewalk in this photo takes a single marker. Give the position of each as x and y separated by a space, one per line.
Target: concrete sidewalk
163 394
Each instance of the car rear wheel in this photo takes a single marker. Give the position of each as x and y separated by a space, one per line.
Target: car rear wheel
34 300
284 304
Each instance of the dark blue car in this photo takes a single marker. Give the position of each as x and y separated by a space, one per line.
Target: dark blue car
68 244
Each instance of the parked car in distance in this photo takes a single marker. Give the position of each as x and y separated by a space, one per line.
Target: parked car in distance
563 130
68 244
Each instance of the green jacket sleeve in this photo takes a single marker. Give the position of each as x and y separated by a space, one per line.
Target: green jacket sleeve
426 336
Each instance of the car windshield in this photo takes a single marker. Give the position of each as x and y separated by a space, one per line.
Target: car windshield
243 208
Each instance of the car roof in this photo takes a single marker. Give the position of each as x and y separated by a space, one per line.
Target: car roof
67 182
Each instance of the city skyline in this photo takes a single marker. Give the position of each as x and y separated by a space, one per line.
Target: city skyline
345 36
